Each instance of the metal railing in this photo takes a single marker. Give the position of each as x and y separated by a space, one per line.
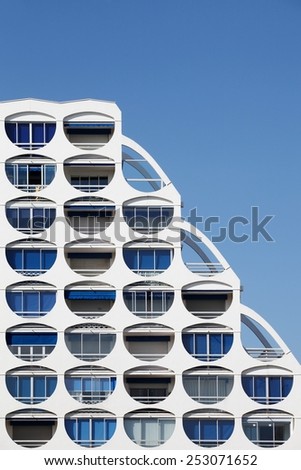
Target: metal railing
205 268
265 354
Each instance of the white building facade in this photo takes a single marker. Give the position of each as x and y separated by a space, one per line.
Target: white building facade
121 324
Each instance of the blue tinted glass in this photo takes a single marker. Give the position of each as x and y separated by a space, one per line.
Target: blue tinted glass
31 302
287 383
50 385
227 342
71 428
10 172
49 131
24 387
10 128
146 259
37 133
259 387
83 429
274 387
49 173
110 428
48 258
188 341
22 175
201 345
32 259
247 383
15 258
225 429
191 428
24 218
47 300
12 385
39 387
208 430
215 344
131 258
162 259
23 133
12 216
14 300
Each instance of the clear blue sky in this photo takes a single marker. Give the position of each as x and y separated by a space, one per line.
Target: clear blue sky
211 88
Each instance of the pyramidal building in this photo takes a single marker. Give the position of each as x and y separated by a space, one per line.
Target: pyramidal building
121 324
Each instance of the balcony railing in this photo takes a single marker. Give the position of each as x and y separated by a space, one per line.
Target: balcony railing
90 397
208 269
89 188
31 443
265 354
149 356
203 314
148 272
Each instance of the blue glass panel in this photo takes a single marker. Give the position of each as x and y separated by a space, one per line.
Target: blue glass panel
87 384
192 429
37 133
50 385
208 429
287 383
201 346
48 258
162 259
146 259
215 346
98 431
71 428
24 387
39 387
131 258
247 383
83 430
32 259
31 302
12 385
49 173
188 341
49 131
89 295
23 133
225 429
22 175
12 216
31 338
14 300
110 428
24 218
15 258
104 384
10 128
259 387
274 387
10 172
47 301
227 342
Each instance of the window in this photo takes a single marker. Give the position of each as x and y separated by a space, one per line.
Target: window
90 431
149 430
31 386
90 386
148 303
207 386
89 135
30 135
31 176
31 427
208 432
148 261
207 346
31 344
267 390
148 219
30 261
31 302
90 342
267 428
89 184
30 219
